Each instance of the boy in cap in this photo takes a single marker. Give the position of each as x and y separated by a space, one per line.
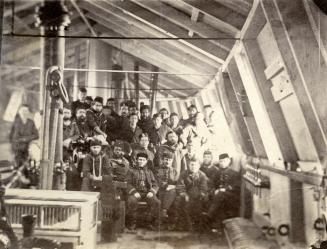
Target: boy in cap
95 165
192 189
167 177
226 192
142 186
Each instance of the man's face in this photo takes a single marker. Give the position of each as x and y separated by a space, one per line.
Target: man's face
167 162
164 114
172 138
111 104
144 142
192 112
224 163
67 113
174 120
145 113
124 111
207 159
88 101
118 151
81 114
95 150
132 109
194 167
82 95
97 107
141 161
133 120
157 121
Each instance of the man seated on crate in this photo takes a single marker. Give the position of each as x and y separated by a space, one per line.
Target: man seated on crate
226 193
95 165
192 197
142 187
167 177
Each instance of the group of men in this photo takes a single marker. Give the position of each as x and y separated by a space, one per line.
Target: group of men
148 155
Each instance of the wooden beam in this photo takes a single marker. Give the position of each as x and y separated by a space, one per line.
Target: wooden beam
240 6
300 62
206 47
218 23
120 24
137 84
194 18
154 86
230 20
184 21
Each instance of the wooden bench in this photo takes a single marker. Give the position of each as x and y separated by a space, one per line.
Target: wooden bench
244 234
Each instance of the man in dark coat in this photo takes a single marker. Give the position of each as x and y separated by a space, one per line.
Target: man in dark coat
192 189
145 122
209 169
131 133
167 177
143 146
142 186
81 101
23 132
95 166
81 123
118 163
95 118
158 132
227 191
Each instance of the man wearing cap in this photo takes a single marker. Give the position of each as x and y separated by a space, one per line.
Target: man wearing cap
118 163
95 118
142 186
167 178
227 190
143 146
192 189
95 165
209 169
81 101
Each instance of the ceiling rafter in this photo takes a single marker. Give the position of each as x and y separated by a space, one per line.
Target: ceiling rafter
169 29
241 6
184 21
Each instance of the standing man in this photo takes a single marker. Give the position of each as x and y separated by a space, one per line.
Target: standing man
95 118
145 122
81 101
158 132
164 115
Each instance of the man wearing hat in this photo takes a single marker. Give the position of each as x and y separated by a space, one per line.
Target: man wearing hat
167 177
226 193
95 165
192 189
142 186
118 163
209 169
95 118
143 146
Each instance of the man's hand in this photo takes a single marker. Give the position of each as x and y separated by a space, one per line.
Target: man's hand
170 187
149 195
137 195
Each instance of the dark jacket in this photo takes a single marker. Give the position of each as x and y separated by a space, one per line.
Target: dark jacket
130 136
136 149
195 186
96 165
178 156
158 136
23 134
134 178
95 119
166 176
211 172
228 179
84 129
78 103
145 124
120 168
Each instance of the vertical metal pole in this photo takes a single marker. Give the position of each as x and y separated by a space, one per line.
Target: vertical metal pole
52 18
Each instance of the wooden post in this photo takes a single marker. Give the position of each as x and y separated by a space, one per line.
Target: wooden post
1 25
52 18
154 86
137 84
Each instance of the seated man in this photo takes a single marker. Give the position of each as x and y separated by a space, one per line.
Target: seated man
95 165
143 146
193 195
118 163
142 186
70 134
209 169
167 177
226 193
132 132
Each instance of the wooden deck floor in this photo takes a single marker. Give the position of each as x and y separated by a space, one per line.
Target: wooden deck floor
165 240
